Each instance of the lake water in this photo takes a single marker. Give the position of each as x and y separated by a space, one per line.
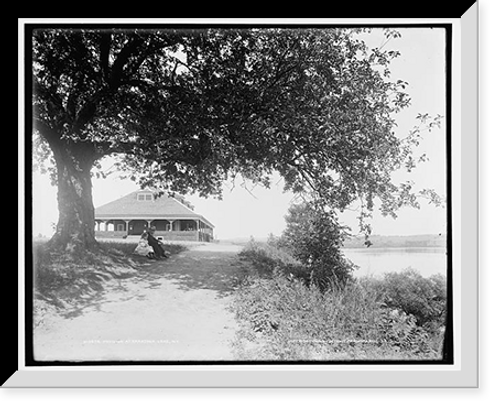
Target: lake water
377 261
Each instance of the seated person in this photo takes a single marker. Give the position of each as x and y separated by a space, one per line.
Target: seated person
156 244
143 248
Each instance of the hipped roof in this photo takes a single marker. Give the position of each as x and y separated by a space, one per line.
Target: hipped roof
162 207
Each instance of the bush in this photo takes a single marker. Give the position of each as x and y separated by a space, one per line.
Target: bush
424 298
269 261
309 249
399 316
314 237
296 322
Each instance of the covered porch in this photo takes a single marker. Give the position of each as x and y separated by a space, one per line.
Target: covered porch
169 229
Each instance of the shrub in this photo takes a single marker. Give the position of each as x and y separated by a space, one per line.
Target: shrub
309 249
409 291
296 322
399 316
270 261
314 237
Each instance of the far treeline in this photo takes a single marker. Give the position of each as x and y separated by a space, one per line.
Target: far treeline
411 241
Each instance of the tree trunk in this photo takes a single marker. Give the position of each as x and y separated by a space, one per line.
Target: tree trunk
75 228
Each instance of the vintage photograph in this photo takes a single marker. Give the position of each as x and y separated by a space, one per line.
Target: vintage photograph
239 194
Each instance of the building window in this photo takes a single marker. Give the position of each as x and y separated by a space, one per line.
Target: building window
120 227
144 197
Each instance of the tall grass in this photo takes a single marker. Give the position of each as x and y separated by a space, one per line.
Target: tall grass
268 261
284 318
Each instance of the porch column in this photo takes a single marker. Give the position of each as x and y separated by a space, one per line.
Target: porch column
126 226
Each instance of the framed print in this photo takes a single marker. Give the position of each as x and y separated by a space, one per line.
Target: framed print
248 202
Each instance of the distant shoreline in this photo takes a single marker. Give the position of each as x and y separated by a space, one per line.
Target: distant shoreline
377 241
355 242
398 241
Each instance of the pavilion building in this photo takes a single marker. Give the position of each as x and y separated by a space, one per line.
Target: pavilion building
172 216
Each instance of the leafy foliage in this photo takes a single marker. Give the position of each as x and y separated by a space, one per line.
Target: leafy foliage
399 316
286 320
410 292
187 108
267 259
315 238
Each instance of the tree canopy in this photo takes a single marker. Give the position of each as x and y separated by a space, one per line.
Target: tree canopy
189 108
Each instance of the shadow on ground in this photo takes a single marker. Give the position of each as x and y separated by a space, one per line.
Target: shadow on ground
75 287
73 284
198 269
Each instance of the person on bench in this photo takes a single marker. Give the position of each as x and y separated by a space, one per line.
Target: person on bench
143 248
156 244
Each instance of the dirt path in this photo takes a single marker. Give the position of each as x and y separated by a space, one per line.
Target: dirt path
174 310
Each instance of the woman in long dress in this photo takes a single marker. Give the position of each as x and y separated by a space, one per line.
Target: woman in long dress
143 248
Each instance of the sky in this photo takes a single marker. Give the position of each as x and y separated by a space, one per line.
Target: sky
242 214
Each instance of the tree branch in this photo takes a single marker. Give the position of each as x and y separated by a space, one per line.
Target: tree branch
304 174
244 185
122 59
104 50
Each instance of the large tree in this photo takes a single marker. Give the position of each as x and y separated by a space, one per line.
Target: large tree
188 108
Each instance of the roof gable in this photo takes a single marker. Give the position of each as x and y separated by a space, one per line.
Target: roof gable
162 206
